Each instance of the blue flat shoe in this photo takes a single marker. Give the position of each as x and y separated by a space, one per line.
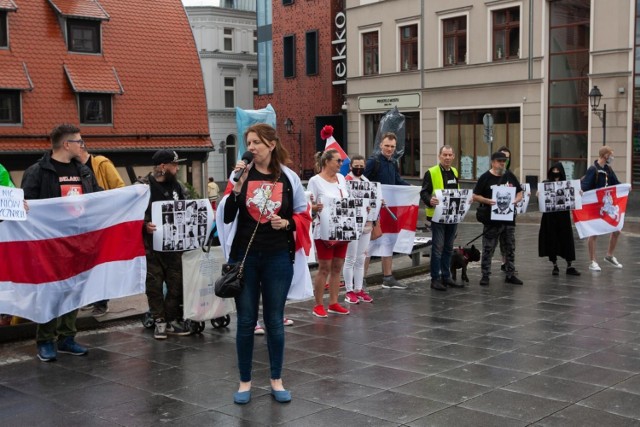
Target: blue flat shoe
242 397
282 396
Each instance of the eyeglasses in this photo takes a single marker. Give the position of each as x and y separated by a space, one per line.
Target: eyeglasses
80 142
338 160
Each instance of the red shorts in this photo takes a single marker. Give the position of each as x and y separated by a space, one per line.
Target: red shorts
336 250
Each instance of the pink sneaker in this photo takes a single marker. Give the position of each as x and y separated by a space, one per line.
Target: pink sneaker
364 297
351 297
337 309
318 311
287 322
259 330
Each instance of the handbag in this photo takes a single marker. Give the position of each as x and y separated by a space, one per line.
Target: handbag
231 282
483 213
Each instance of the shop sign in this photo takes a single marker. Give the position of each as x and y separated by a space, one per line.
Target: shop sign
409 100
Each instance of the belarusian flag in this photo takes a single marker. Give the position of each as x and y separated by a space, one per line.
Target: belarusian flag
397 234
602 210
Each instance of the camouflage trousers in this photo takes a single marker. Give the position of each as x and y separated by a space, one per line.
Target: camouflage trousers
164 267
492 234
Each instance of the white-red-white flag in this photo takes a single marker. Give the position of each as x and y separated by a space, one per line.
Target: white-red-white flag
397 234
72 251
603 210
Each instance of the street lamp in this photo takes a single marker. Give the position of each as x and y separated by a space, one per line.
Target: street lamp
288 124
594 99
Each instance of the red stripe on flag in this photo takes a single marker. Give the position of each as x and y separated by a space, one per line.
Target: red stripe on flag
51 260
407 219
591 211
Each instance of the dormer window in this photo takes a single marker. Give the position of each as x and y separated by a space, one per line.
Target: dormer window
4 30
83 36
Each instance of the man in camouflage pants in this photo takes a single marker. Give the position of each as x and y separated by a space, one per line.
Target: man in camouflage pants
164 267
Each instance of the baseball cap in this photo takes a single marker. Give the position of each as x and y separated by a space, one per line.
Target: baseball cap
499 155
166 156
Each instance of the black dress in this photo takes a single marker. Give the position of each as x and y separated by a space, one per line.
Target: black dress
555 238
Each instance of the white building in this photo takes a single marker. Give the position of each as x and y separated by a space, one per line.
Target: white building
226 38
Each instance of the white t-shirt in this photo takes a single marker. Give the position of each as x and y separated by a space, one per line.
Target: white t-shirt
322 190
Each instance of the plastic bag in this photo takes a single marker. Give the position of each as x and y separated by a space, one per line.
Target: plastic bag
392 121
200 270
246 118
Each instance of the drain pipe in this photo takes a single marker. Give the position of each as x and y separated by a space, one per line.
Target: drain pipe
530 59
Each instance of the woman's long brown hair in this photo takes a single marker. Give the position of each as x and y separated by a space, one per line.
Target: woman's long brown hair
279 155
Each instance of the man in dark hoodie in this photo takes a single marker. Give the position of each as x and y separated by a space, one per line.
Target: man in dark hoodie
59 173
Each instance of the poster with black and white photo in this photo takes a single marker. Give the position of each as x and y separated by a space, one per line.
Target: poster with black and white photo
453 206
371 195
181 224
342 219
556 196
504 209
522 205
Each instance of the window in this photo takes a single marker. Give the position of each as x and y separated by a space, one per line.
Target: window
229 92
10 107
4 30
409 47
228 39
289 53
370 60
311 41
454 35
83 36
287 2
255 41
231 153
95 108
264 19
255 86
463 130
506 34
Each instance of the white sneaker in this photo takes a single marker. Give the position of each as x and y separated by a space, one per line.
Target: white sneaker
259 329
613 261
594 266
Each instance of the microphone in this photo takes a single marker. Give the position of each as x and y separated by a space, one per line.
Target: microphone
247 158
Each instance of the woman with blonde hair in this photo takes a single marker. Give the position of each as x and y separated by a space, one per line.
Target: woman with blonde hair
327 184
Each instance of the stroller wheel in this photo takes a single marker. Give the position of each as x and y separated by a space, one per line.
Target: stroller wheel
221 322
147 320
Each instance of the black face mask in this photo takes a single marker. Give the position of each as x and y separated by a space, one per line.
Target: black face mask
357 171
554 175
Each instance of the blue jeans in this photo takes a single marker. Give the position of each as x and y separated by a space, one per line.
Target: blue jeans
269 274
442 237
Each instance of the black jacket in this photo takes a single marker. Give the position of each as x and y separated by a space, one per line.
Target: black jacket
40 180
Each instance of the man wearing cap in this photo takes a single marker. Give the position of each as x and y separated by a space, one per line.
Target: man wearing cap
59 173
164 267
495 230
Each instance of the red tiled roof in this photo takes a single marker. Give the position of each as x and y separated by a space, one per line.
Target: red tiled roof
8 5
80 9
14 74
153 50
104 145
95 78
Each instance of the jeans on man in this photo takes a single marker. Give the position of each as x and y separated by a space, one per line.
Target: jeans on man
267 273
442 238
492 234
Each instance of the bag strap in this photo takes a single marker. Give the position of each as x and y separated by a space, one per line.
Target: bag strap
255 230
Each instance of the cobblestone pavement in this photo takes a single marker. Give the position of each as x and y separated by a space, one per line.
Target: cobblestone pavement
558 351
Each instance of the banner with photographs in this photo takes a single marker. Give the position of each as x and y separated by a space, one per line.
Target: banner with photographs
181 224
371 195
453 206
342 219
556 196
522 205
504 209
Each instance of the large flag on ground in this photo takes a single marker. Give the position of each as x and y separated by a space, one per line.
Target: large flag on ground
332 144
397 234
72 251
603 210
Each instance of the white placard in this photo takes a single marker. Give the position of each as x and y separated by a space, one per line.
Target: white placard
504 209
370 193
342 219
12 204
453 206
522 205
556 196
181 224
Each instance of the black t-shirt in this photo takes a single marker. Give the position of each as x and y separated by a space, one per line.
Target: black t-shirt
486 182
68 177
259 192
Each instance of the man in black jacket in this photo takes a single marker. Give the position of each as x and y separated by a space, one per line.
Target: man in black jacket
59 173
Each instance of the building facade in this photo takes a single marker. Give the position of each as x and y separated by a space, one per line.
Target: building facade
530 64
226 38
302 73
126 73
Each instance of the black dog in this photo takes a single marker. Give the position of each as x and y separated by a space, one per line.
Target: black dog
460 258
